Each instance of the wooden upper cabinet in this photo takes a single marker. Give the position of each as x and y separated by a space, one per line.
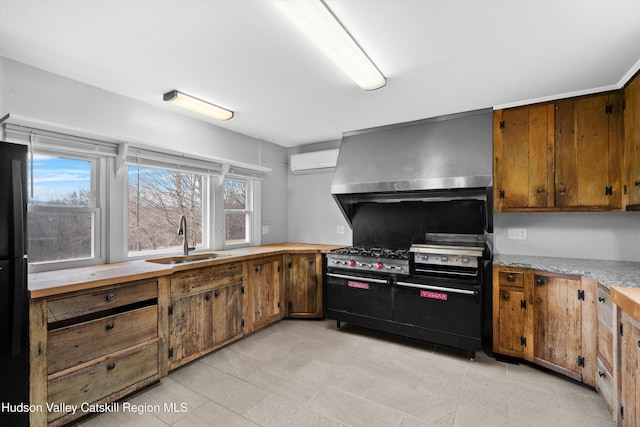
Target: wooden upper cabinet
523 157
632 141
588 152
560 156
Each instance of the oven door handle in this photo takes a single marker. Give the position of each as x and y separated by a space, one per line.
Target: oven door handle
452 273
437 288
362 279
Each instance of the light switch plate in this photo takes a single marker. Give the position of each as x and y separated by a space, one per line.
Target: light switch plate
340 229
516 233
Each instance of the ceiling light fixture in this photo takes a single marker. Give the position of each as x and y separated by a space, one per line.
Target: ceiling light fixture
199 106
314 19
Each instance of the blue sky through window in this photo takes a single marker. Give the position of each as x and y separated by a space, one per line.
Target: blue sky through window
55 179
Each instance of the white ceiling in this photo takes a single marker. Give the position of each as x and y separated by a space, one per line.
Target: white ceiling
439 56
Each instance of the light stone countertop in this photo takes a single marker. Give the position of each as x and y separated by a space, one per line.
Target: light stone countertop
607 273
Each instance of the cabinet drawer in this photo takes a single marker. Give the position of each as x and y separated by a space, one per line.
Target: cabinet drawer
204 279
605 326
76 344
604 384
511 278
104 299
105 376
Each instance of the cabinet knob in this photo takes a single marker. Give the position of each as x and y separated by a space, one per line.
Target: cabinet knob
601 299
561 190
539 281
601 374
207 297
109 326
505 295
638 343
637 183
540 190
510 278
216 294
111 366
111 297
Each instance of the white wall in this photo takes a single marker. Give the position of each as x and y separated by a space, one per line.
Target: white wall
590 235
37 94
313 214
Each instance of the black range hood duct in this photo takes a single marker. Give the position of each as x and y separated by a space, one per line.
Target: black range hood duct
441 158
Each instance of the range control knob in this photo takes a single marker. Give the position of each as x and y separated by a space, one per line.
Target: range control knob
352 263
379 265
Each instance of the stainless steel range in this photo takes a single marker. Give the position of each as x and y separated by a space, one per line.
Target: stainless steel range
422 191
362 258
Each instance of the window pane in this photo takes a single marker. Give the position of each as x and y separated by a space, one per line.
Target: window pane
55 236
157 198
61 181
235 194
236 226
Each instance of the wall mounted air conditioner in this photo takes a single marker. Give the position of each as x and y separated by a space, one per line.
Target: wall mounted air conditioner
315 161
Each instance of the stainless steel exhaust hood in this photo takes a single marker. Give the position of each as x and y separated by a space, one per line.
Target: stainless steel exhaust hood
439 158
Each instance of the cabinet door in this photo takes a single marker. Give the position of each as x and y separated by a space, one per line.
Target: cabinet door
605 328
511 323
629 414
523 146
558 324
632 140
265 284
203 321
588 152
303 285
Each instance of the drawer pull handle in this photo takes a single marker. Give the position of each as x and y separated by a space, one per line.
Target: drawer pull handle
111 366
109 326
111 297
601 374
601 299
505 295
511 278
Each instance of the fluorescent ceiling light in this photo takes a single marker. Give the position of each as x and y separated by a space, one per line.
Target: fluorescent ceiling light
197 105
314 19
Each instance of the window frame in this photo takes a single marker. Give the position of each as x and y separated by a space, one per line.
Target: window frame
97 208
206 214
248 211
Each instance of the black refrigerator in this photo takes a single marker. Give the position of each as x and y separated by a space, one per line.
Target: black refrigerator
14 297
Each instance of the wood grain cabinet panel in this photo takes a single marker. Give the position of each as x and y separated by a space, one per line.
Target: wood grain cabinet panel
561 156
629 412
266 292
303 285
632 141
206 311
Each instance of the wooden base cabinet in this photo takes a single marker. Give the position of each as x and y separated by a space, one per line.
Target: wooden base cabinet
547 319
606 382
303 285
92 347
629 353
206 311
265 292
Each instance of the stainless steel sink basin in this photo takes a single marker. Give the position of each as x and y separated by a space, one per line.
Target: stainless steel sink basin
182 259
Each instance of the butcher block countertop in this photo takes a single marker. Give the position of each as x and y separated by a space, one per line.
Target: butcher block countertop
628 299
51 283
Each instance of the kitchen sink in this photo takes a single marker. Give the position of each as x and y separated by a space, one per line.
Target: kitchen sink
182 259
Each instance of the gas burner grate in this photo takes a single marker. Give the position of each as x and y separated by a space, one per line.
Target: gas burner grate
374 252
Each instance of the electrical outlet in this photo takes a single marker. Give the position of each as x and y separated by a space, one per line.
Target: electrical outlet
265 229
516 233
340 229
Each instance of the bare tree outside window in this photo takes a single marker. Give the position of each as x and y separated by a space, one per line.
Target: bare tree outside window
157 198
61 213
236 211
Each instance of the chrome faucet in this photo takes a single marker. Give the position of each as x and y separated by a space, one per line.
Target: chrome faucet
182 231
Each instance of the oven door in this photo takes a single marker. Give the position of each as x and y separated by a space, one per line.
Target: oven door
359 294
447 307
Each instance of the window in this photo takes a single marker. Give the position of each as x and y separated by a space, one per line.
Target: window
157 198
62 213
237 211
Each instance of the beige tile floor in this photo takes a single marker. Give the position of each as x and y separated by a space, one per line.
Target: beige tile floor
307 373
